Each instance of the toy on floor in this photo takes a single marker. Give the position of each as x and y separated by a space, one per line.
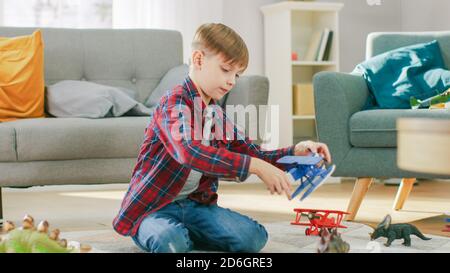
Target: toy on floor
29 239
331 242
319 220
396 231
311 171
438 99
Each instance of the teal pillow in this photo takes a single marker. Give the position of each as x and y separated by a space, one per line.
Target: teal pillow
395 76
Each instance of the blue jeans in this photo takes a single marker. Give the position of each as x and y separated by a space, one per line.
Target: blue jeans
182 225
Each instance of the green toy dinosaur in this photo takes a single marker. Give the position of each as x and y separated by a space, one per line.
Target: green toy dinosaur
396 231
28 239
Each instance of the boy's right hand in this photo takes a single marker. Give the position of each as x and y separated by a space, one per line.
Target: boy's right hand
275 179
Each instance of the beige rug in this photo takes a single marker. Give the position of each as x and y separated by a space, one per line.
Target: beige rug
283 238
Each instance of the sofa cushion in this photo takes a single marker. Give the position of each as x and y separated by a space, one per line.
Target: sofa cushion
377 128
78 138
7 142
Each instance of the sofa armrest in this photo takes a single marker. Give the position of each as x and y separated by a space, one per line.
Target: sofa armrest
337 97
251 91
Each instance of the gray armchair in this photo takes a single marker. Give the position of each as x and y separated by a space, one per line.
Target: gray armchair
364 143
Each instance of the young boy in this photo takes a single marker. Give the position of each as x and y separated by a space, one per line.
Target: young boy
171 203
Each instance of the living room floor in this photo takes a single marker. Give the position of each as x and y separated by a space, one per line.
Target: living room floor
80 208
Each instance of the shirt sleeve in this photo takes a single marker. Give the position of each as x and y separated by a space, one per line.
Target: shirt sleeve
242 144
246 146
174 122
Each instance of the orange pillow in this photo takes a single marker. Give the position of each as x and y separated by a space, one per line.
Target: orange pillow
21 77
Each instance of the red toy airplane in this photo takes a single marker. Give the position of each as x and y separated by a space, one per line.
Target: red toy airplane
319 219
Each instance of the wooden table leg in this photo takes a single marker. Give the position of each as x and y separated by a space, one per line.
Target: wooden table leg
403 192
362 185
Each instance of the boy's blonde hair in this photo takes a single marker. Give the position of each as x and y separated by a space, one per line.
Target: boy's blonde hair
220 39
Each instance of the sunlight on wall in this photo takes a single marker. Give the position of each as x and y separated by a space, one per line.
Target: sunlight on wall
57 13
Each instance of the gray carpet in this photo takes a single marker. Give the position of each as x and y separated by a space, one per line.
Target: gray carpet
283 238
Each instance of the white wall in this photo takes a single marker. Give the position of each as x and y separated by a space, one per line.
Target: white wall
1 13
425 15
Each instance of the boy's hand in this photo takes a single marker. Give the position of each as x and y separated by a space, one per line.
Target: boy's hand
307 147
275 179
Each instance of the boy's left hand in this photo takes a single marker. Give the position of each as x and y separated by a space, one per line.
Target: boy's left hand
307 147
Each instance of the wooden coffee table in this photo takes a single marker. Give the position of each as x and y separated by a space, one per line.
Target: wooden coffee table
424 145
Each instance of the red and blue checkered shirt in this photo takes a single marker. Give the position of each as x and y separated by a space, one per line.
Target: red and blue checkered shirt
165 159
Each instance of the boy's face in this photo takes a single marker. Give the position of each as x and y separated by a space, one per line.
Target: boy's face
213 74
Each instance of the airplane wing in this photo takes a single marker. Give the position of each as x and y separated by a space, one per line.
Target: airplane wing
307 210
302 160
321 210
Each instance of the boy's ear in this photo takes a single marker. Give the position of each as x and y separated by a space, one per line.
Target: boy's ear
197 58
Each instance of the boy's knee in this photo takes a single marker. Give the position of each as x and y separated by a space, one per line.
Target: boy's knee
165 242
167 245
251 242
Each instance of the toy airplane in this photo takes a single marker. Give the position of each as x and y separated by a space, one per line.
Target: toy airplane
438 99
319 219
310 170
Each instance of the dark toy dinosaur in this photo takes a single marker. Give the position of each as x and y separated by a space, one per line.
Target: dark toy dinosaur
396 231
332 242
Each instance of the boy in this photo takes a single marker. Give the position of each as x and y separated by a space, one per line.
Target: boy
171 203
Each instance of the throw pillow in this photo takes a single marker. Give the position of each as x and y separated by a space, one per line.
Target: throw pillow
21 77
397 75
91 100
172 78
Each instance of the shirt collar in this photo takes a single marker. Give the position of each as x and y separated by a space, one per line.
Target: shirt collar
192 91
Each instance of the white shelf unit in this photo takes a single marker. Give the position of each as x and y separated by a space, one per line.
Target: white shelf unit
289 26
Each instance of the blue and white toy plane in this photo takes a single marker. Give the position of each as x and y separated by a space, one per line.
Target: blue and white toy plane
311 171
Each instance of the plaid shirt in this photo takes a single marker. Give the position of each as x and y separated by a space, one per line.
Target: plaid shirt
166 158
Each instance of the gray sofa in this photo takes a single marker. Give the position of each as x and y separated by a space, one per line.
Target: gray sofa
364 143
57 151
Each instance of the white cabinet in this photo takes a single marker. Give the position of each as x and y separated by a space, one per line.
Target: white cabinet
293 27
